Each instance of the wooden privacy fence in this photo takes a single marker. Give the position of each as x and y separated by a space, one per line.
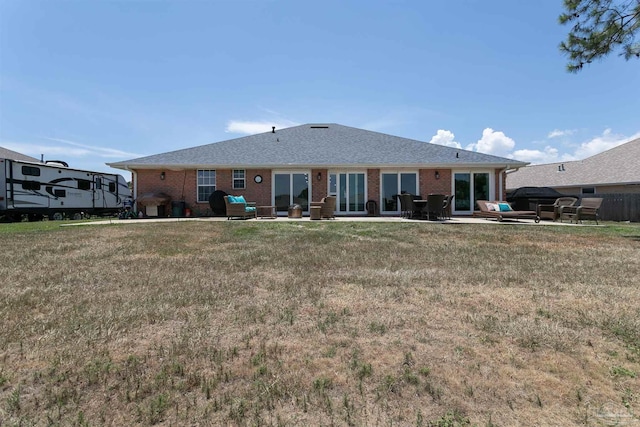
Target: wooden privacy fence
620 206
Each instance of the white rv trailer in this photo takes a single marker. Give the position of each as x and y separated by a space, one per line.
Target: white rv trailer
54 190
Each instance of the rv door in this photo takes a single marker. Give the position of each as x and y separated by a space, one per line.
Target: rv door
97 191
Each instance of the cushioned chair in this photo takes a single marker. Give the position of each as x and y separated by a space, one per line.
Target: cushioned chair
588 209
238 207
552 211
327 207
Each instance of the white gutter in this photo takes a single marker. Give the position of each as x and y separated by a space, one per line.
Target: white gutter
175 167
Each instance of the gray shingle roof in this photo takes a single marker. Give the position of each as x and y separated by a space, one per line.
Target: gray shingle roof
619 165
318 145
5 153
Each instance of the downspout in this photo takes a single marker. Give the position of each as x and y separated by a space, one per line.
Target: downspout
501 182
507 171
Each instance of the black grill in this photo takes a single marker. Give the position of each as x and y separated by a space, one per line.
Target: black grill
528 198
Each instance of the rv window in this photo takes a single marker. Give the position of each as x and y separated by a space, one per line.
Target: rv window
112 187
83 184
30 185
60 193
30 170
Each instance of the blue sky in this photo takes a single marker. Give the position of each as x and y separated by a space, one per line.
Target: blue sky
91 82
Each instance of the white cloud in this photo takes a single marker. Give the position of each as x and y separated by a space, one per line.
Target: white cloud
601 143
80 156
606 141
446 138
558 133
493 142
84 150
497 143
548 155
48 151
84 156
254 127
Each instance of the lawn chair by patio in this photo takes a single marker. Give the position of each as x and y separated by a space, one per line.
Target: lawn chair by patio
589 209
552 211
501 211
238 207
327 207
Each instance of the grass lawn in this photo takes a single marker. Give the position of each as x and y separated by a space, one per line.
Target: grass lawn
324 323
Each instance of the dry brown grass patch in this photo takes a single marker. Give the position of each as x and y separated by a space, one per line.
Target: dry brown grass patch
318 324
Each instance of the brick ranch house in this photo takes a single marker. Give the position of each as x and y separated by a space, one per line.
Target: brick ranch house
304 163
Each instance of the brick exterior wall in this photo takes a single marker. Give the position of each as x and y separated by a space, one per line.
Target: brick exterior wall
373 185
429 184
318 187
182 185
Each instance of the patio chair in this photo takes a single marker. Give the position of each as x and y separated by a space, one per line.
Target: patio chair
238 207
407 207
589 209
446 208
435 203
327 207
552 211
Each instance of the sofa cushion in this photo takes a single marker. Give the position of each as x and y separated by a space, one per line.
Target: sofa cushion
250 209
237 199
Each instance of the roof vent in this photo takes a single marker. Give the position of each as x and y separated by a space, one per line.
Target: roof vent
561 168
273 129
319 127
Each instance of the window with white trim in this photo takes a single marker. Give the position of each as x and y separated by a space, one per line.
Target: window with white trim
206 184
239 179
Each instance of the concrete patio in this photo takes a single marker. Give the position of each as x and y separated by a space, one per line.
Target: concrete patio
387 219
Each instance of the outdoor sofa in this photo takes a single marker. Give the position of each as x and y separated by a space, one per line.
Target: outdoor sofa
501 211
238 207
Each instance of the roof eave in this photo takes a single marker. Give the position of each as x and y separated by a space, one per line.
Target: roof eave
133 166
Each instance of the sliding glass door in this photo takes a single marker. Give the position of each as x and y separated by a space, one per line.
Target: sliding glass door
470 187
394 183
291 188
349 189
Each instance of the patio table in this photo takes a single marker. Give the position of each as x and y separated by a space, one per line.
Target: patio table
267 211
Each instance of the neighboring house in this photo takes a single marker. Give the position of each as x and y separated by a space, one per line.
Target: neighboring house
304 163
613 171
5 153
